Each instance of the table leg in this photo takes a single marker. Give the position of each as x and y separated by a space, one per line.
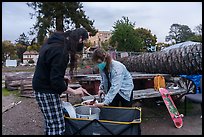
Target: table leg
67 97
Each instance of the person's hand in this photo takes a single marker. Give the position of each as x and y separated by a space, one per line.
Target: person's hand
80 91
100 92
98 104
101 95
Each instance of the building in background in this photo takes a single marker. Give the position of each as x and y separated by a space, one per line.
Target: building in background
100 37
30 55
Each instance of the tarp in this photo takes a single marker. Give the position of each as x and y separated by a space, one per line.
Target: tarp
179 45
196 79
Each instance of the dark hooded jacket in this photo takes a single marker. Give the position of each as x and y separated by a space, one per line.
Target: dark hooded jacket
51 66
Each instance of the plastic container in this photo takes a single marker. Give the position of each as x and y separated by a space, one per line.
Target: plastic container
69 109
87 112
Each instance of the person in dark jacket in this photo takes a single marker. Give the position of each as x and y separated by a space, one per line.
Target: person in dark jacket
48 80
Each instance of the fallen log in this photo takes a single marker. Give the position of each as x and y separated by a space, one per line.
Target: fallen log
14 81
185 60
26 89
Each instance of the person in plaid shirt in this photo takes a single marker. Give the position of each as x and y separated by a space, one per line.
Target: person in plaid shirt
48 80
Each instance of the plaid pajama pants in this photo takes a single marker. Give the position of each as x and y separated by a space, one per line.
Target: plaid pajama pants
51 107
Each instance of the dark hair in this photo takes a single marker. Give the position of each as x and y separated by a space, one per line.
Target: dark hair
79 33
72 39
102 55
72 45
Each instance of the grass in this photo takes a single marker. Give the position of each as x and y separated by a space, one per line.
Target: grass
5 92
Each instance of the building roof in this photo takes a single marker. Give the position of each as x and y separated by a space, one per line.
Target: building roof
30 53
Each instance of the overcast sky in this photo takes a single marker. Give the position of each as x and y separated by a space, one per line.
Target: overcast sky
156 16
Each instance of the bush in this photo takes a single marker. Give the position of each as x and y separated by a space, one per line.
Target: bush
31 61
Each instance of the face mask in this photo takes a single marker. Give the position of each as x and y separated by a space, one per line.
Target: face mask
101 65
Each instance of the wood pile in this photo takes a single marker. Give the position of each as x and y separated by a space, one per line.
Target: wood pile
26 88
20 81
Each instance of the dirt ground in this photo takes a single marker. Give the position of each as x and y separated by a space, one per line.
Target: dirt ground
26 119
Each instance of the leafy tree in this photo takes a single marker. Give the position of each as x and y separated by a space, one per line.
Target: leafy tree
161 45
146 36
186 33
21 45
59 16
31 61
23 39
105 45
29 48
34 46
198 29
123 36
88 44
179 33
8 50
20 49
197 37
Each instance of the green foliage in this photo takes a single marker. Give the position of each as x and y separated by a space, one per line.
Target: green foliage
198 29
8 50
144 35
5 92
31 61
36 47
196 38
105 45
20 50
160 45
59 16
23 40
124 36
29 48
88 44
179 33
21 45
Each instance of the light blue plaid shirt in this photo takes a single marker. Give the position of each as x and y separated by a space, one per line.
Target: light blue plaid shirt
121 82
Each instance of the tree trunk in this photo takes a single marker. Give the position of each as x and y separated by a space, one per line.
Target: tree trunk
177 61
59 23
